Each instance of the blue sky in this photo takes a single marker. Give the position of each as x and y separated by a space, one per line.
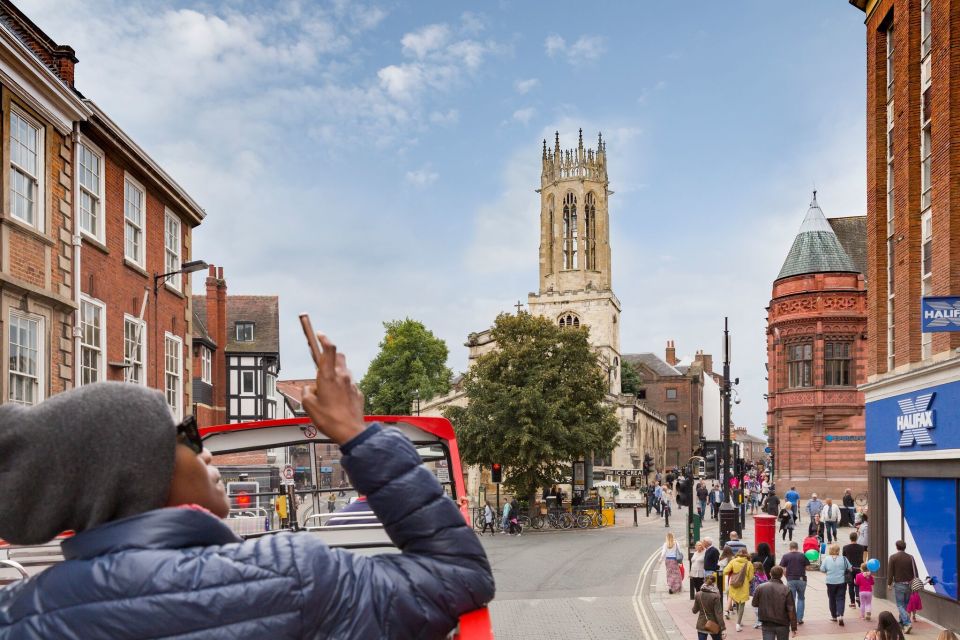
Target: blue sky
375 160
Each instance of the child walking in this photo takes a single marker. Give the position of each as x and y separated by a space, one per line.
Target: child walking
913 605
759 577
864 582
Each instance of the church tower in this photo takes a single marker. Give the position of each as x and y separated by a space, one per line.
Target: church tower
575 283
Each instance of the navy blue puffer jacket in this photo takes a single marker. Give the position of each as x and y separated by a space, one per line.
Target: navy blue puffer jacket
183 573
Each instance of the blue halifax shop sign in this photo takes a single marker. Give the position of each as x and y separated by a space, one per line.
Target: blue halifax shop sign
940 314
915 423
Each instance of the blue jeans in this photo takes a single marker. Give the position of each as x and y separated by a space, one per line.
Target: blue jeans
799 590
703 508
830 530
901 592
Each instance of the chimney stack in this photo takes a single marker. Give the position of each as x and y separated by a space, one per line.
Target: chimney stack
216 301
671 353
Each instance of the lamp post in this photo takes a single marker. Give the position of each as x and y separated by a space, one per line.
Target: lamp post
161 278
728 513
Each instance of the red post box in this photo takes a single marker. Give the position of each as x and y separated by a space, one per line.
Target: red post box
765 530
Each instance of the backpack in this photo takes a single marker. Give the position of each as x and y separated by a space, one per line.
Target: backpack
737 580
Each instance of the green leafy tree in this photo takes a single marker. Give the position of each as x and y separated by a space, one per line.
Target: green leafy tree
536 403
630 380
412 362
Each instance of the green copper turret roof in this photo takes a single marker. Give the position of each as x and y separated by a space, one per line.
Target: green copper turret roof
816 248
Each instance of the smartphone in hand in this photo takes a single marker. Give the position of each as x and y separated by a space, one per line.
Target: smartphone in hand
315 351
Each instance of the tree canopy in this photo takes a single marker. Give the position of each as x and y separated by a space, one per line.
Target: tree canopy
630 380
536 403
411 361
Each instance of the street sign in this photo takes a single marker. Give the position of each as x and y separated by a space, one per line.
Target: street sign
767 450
287 474
940 314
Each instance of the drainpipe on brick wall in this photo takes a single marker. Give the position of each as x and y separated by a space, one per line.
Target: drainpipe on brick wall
77 332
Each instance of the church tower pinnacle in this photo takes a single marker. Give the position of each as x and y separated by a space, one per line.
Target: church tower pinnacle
574 221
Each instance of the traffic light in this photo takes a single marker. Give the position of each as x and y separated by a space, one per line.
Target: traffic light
241 494
647 463
496 472
683 492
710 462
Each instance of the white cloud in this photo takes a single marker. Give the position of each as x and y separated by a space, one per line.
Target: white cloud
586 48
402 82
426 40
422 177
524 115
446 118
525 86
554 44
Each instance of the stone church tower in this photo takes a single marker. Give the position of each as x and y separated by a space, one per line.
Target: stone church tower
575 283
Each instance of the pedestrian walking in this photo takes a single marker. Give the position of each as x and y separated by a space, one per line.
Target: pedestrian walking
830 517
702 495
505 519
814 506
151 556
787 521
765 557
863 534
735 543
850 506
515 526
864 582
771 505
793 497
725 557
887 628
795 565
853 552
711 558
331 503
759 577
739 573
672 558
709 604
716 499
775 608
914 604
697 570
836 568
666 506
488 519
815 528
658 497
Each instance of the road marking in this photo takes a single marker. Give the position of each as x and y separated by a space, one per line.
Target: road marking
645 624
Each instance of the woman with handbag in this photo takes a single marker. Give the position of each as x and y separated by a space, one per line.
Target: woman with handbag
697 572
708 605
837 569
673 561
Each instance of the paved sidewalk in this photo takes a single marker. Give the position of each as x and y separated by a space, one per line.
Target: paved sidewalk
679 622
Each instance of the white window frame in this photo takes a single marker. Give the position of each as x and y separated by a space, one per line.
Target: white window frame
98 233
926 277
38 211
101 349
926 23
39 379
174 392
206 364
172 255
128 223
133 320
891 194
243 382
253 330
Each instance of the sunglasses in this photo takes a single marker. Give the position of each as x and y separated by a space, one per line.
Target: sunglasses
188 434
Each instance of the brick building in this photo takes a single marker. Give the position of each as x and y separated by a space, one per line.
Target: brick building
751 446
79 246
209 363
816 344
913 231
686 395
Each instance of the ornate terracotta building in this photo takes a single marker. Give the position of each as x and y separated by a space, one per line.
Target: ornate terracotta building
816 357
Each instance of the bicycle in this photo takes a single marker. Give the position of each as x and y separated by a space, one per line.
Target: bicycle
556 519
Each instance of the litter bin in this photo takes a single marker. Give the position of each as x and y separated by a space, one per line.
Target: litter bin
765 530
609 516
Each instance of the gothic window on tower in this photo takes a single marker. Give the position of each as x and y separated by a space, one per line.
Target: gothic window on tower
672 423
551 232
836 364
568 320
570 260
590 232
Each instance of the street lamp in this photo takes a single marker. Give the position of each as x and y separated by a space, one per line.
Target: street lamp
187 267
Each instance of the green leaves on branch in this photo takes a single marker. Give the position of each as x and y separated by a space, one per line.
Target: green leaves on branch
536 403
412 361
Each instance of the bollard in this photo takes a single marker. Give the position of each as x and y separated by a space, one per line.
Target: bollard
635 517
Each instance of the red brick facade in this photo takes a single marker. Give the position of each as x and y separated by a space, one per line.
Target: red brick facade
817 431
210 333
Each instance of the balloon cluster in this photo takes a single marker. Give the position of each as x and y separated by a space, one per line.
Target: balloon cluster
812 555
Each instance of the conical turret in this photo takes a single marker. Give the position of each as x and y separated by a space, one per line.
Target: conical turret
816 249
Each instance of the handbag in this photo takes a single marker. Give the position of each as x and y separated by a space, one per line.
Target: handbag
710 626
682 571
916 584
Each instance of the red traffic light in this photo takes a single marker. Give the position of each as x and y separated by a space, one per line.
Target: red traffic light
243 499
496 472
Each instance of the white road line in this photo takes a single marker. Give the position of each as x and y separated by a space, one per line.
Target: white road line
645 624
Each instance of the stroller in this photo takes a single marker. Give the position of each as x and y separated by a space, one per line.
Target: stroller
813 543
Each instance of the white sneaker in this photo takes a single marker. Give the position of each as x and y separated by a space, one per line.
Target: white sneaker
739 628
